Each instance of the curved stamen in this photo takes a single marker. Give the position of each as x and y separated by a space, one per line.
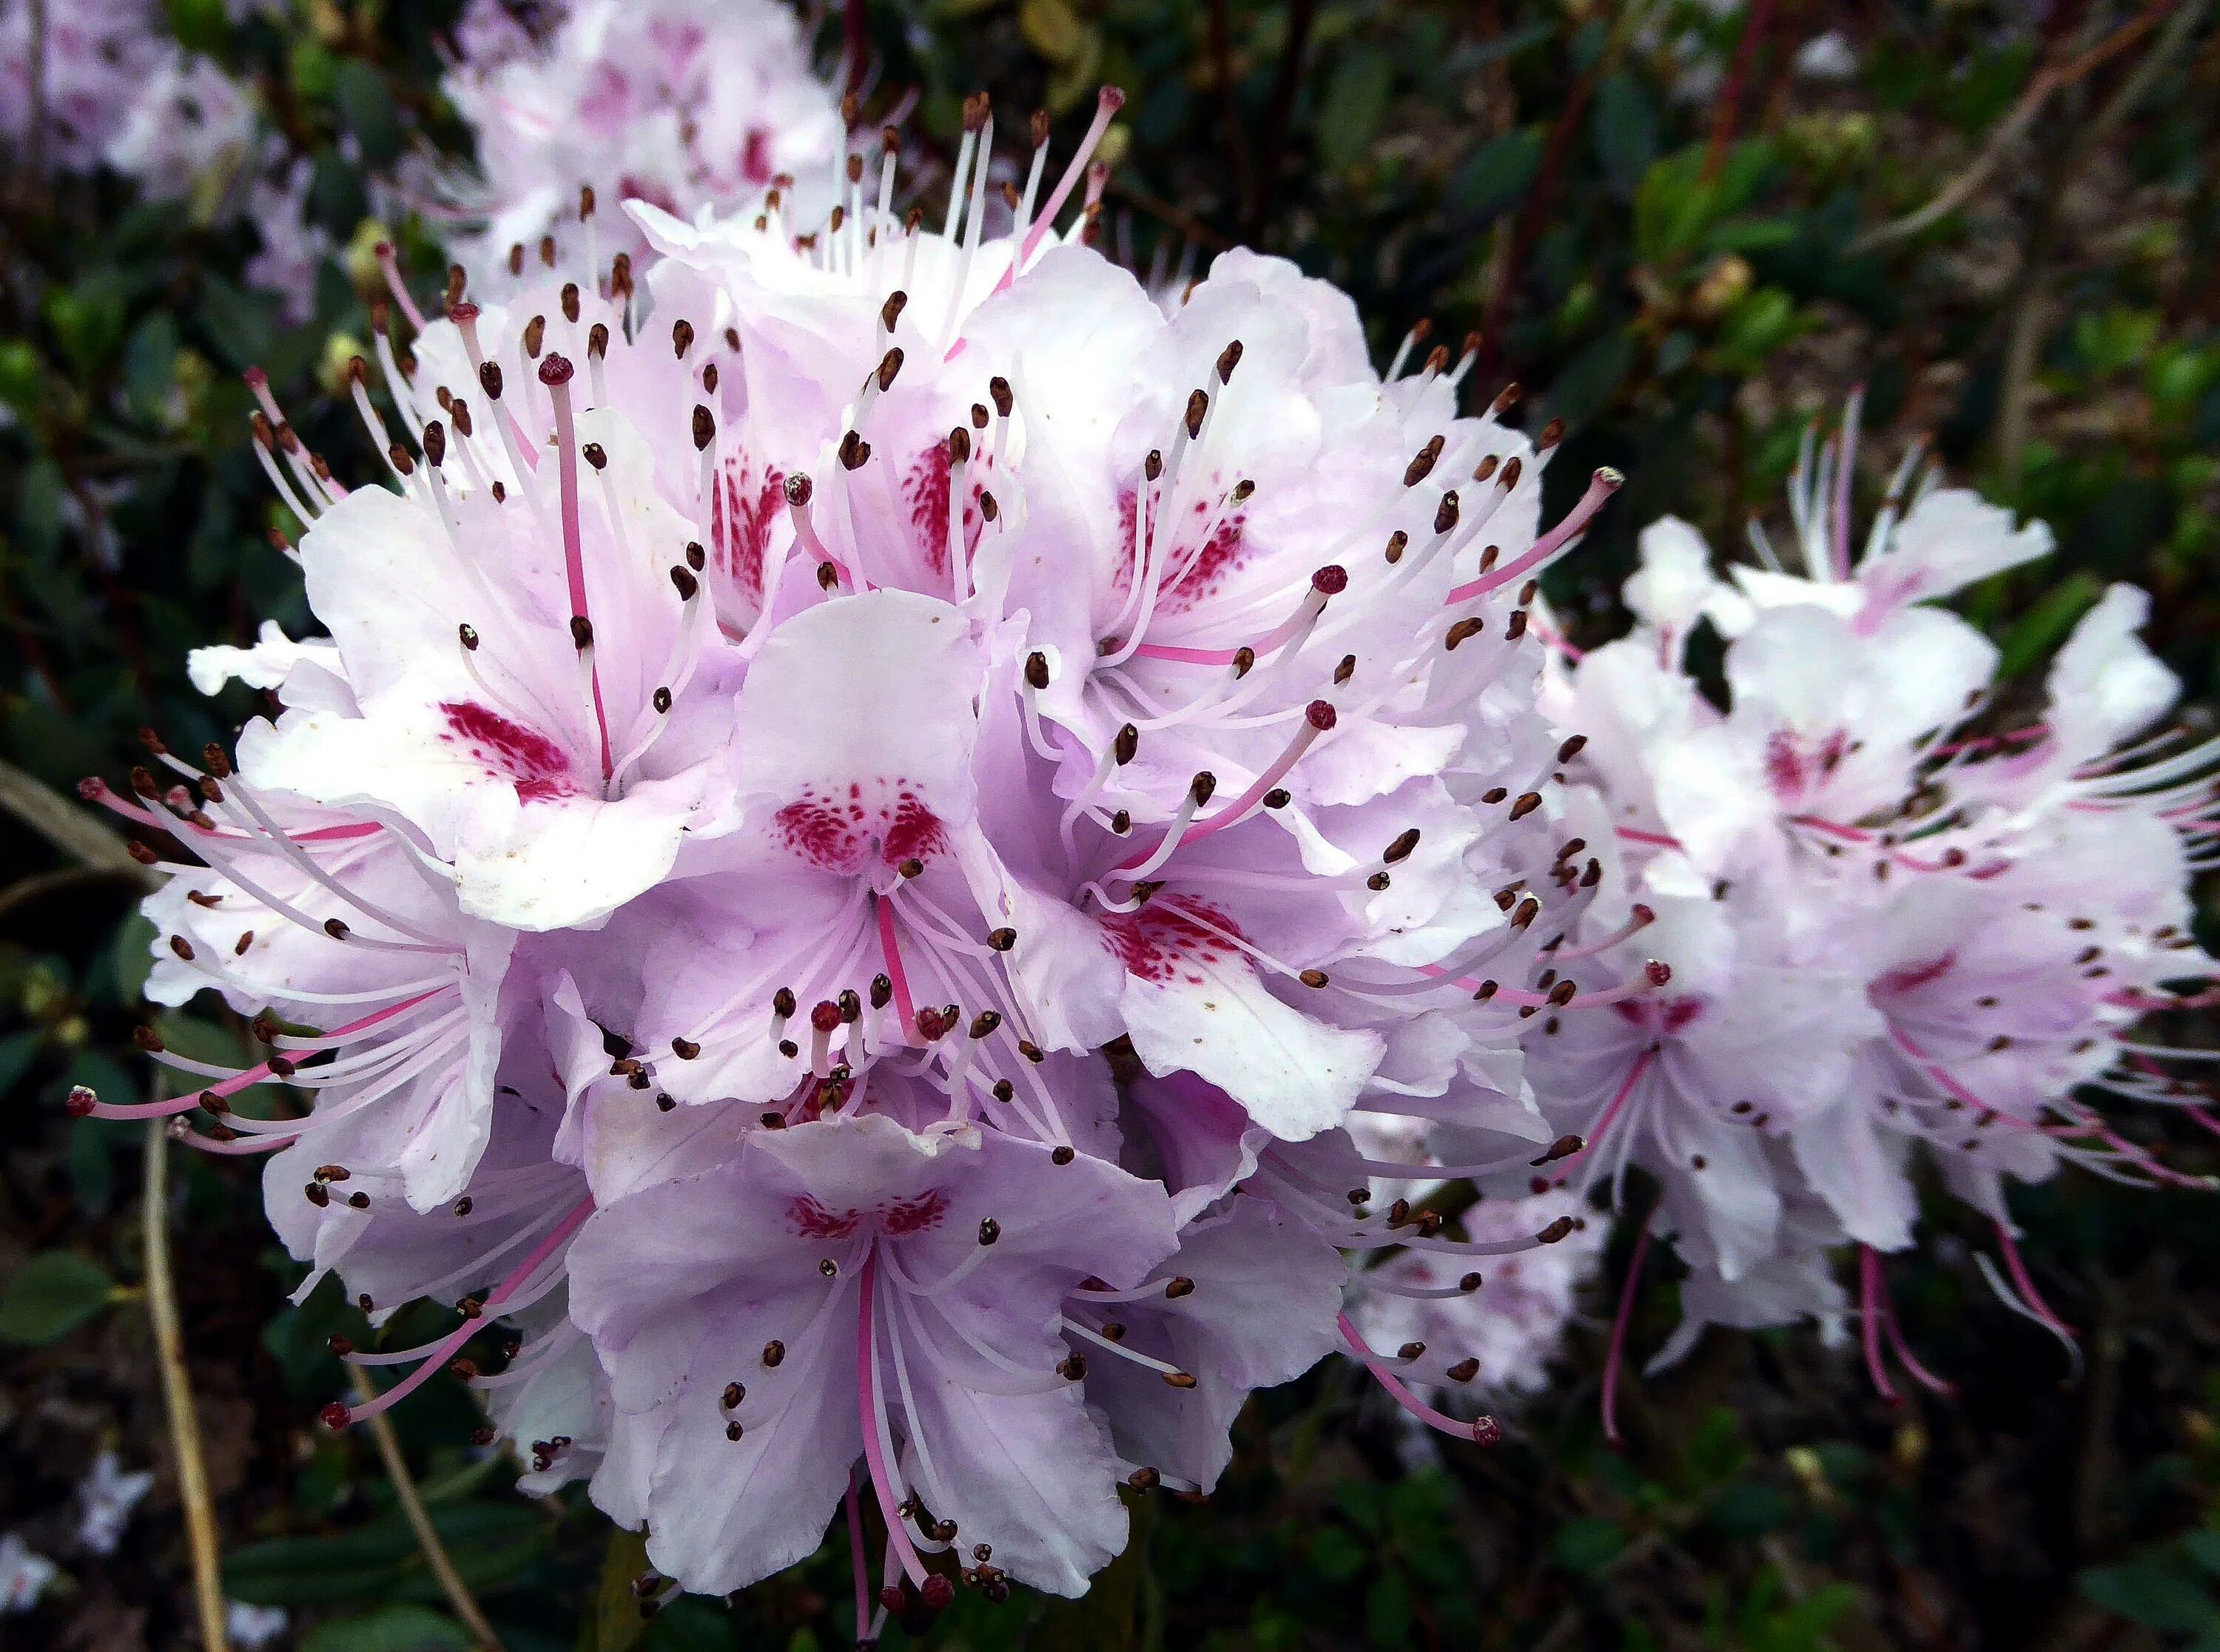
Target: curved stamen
1482 1430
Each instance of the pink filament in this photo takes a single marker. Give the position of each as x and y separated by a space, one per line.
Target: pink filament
390 265
1239 809
2017 1269
1869 1317
1611 1114
1618 1348
1601 486
905 1008
574 554
1925 1377
867 1402
437 1355
856 1557
99 791
1108 103
1313 604
1409 1401
247 1079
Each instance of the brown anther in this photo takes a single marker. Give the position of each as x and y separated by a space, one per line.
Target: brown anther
1463 631
1197 405
989 1231
773 1352
1555 1232
1178 1286
1464 1370
1524 804
489 379
854 449
596 455
1062 1156
683 580
570 301
1178 1380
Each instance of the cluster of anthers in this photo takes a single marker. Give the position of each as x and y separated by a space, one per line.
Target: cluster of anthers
873 809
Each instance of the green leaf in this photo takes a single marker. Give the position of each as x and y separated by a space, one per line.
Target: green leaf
366 106
2151 1595
88 318
2043 626
1497 174
239 323
17 1052
1336 1555
617 1624
1588 1544
50 1295
1745 1509
389 1629
491 1542
2203 1547
134 956
1625 131
1749 234
1356 104
1591 378
1759 324
1388 1611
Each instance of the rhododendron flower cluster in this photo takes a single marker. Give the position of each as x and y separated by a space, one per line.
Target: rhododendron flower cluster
873 808
690 104
1907 926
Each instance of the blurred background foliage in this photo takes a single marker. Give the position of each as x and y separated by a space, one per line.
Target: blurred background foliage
1686 229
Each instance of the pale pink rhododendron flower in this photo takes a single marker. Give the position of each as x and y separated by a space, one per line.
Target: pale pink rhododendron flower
1894 933
93 62
690 104
1501 1333
875 810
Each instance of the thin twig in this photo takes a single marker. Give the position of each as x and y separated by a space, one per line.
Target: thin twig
1178 217
2008 132
1753 31
1531 217
1277 110
419 1521
77 833
2030 310
177 1396
39 886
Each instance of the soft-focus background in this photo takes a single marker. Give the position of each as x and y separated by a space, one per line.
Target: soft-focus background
1688 229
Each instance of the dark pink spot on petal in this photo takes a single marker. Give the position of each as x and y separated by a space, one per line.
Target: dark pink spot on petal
1155 943
1911 976
534 764
914 1215
811 1220
926 491
742 513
